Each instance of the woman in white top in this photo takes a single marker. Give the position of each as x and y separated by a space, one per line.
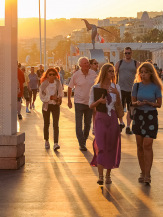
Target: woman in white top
107 143
51 94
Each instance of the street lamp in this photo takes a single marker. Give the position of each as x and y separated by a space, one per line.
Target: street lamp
40 33
45 35
69 38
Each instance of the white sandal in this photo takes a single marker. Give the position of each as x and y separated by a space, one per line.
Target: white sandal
108 179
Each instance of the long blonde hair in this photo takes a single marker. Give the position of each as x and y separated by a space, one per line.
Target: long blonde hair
103 72
154 76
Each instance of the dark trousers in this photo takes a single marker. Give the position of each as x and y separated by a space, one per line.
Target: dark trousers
81 111
55 110
126 97
34 93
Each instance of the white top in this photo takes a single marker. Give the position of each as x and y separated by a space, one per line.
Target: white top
113 96
50 90
82 85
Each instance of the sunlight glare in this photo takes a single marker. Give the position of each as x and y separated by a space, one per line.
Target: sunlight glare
2 13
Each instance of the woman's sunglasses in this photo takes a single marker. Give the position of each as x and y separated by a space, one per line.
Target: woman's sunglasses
52 74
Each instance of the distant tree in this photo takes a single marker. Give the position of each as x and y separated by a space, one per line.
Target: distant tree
127 38
138 39
160 36
60 51
34 54
153 35
113 37
22 53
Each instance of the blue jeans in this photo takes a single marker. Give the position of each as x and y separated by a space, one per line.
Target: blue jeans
80 111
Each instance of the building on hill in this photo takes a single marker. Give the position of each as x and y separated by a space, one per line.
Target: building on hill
138 27
151 14
113 21
158 22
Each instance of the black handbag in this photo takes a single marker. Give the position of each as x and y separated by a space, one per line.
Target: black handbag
98 92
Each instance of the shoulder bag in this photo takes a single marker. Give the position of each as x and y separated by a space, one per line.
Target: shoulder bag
132 108
119 108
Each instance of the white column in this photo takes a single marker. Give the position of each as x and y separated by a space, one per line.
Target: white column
153 56
8 70
114 56
12 145
161 65
159 58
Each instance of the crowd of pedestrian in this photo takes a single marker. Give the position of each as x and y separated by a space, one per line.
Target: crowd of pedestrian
96 94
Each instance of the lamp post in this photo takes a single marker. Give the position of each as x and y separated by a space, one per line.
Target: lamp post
69 38
45 35
40 34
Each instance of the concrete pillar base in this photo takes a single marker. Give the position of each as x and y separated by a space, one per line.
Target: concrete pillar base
12 150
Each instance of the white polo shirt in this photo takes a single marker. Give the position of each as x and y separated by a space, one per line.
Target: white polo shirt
82 85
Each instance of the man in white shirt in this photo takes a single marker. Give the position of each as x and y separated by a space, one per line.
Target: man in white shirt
82 80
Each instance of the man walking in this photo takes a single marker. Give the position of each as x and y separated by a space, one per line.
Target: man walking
21 80
40 71
126 70
82 80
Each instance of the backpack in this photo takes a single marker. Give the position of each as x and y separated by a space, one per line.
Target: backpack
120 62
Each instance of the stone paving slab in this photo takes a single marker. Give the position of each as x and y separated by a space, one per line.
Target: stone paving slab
64 183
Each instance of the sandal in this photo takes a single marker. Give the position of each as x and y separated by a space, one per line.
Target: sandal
141 178
100 181
108 179
147 180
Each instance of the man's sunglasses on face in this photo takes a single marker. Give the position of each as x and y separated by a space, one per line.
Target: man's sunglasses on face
127 53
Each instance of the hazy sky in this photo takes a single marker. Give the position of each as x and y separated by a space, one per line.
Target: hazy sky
85 8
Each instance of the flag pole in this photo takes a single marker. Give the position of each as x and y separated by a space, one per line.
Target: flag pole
44 35
40 33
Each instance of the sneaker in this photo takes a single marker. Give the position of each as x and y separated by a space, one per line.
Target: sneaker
27 110
122 125
83 148
56 146
128 131
20 117
47 144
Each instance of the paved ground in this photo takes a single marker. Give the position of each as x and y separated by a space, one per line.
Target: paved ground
64 183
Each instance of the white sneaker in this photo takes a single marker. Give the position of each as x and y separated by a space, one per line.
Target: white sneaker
56 146
47 144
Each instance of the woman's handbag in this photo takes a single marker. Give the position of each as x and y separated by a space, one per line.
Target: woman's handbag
132 108
119 109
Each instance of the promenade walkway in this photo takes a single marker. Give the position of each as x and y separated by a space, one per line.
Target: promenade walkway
64 184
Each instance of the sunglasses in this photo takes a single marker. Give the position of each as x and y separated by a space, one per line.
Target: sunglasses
52 74
111 71
127 53
95 63
146 72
